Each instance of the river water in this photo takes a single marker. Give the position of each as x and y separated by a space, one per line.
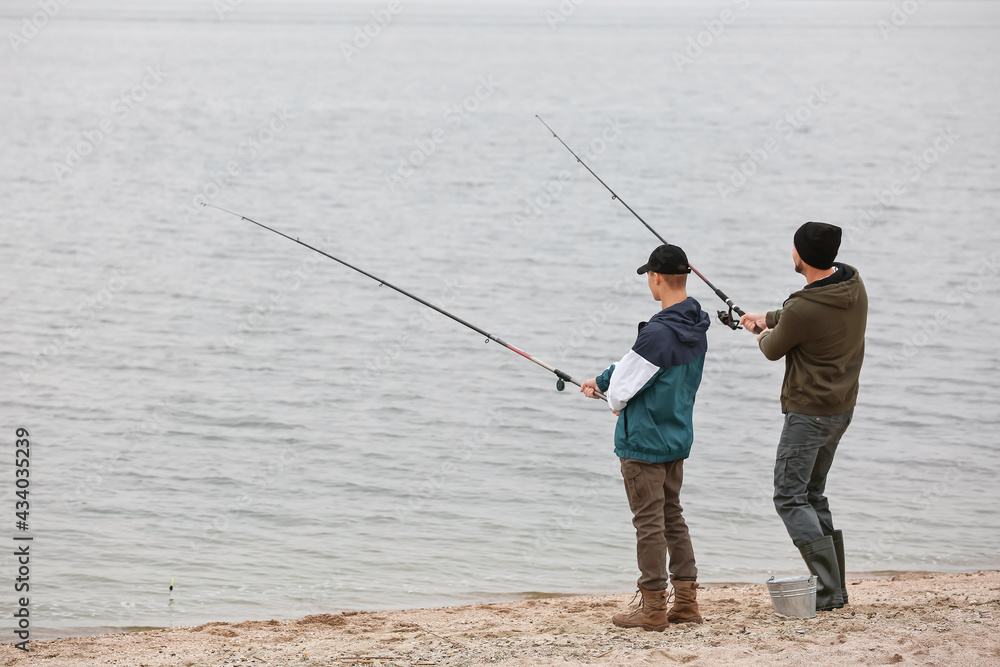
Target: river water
214 406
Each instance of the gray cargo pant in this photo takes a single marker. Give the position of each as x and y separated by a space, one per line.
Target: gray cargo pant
805 454
653 491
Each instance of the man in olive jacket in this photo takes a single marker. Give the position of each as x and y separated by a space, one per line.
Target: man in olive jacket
820 331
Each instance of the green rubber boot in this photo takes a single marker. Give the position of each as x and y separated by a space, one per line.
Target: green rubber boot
821 559
838 546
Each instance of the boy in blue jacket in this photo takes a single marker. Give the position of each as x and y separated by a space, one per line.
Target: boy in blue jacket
652 390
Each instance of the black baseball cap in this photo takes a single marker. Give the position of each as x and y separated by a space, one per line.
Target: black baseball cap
667 259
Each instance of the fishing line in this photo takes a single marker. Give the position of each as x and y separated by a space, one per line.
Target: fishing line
724 317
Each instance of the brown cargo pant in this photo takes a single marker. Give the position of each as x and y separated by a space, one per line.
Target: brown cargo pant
653 491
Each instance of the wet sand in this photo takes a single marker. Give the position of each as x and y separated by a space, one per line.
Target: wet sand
912 618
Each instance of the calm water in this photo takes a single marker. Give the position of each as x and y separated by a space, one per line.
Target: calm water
212 405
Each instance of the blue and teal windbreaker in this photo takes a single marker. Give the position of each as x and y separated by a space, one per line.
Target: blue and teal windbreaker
654 385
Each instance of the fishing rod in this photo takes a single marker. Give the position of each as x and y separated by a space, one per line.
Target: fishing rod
563 378
724 317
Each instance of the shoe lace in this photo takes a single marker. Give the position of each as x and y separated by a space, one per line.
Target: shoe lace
669 600
638 610
634 597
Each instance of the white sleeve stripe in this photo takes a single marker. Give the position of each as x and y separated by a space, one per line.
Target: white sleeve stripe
631 374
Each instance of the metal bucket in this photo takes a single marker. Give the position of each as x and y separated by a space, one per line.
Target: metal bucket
795 596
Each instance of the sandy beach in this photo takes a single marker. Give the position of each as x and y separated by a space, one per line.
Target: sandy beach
912 618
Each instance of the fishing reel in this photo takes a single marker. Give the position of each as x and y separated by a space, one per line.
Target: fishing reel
733 322
561 379
730 319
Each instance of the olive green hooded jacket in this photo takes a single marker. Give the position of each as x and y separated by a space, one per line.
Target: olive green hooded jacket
820 331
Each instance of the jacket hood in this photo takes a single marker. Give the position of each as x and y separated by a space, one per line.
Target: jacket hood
686 319
838 295
688 324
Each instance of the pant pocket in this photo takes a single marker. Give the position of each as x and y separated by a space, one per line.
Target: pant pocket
780 465
630 473
802 433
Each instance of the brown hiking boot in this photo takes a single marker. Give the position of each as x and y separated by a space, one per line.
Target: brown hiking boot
651 614
685 609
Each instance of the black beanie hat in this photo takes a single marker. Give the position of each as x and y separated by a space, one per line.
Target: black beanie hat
818 243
